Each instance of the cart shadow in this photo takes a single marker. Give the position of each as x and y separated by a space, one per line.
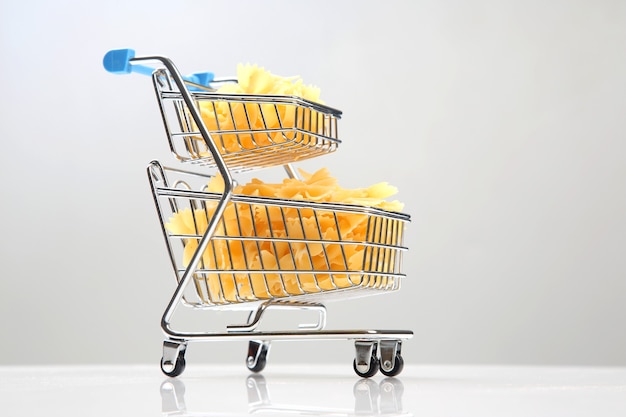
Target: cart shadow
371 398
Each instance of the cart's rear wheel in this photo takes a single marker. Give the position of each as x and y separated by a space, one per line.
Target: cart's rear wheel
366 362
371 370
396 369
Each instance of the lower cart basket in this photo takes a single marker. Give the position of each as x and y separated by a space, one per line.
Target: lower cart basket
270 249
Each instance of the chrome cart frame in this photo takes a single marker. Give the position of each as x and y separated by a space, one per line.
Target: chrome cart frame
238 252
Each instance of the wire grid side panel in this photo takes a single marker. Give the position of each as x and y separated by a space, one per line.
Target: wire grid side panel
248 134
271 251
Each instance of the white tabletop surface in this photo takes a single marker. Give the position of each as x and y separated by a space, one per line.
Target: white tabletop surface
331 390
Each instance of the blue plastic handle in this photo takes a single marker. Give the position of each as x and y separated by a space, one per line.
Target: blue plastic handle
117 61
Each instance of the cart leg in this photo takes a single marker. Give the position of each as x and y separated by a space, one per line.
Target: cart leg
257 355
366 362
173 360
391 362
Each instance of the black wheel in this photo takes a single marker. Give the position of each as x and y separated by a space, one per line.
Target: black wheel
260 362
371 371
397 367
177 369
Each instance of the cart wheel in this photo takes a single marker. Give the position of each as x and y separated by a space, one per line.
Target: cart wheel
173 360
257 355
175 369
366 362
371 370
397 367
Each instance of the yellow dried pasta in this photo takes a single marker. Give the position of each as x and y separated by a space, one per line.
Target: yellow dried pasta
265 123
310 259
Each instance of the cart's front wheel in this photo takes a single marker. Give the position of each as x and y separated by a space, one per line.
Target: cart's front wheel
396 369
174 369
257 355
173 360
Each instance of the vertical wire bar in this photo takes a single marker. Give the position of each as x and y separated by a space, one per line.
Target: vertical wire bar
366 252
227 242
218 128
178 108
291 248
306 124
341 246
397 242
281 126
318 128
232 117
315 126
175 209
250 128
217 275
260 255
243 250
305 134
264 123
190 139
317 213
385 250
377 251
308 249
192 206
201 265
273 243
297 124
398 260
389 251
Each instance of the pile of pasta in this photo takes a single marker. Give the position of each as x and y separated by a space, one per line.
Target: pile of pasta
310 249
255 125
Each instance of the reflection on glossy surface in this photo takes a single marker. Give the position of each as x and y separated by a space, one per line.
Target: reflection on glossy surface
374 398
321 389
371 398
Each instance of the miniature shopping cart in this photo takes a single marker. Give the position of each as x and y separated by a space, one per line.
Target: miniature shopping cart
233 252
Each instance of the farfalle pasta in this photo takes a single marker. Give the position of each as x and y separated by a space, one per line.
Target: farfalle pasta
264 251
238 126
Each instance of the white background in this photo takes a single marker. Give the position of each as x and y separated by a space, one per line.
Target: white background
501 123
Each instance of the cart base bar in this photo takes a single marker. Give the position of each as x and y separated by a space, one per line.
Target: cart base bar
292 335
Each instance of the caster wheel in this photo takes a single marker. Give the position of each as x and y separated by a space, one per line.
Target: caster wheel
257 356
176 368
397 367
370 372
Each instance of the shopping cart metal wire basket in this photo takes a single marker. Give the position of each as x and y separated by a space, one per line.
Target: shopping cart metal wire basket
251 253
